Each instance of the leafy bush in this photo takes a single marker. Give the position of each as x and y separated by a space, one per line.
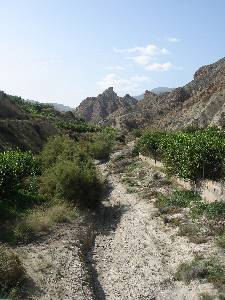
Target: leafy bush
194 155
149 143
73 181
15 167
12 273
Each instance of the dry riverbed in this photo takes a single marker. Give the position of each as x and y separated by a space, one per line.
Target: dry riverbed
133 255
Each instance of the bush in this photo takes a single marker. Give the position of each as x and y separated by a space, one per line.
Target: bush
214 210
149 144
12 273
15 167
61 147
193 155
73 181
102 145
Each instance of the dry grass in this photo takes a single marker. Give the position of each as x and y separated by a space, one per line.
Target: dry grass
12 273
43 219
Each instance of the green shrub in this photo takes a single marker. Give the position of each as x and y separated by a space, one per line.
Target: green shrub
61 147
209 269
103 143
193 155
15 167
214 210
149 143
178 199
12 273
73 181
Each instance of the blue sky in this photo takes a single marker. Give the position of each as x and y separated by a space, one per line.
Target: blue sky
65 50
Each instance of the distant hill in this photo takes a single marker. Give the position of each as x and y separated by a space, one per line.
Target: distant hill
158 90
61 107
57 106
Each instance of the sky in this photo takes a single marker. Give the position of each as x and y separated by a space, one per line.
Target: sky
66 50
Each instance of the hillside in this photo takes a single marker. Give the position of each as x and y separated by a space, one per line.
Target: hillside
28 125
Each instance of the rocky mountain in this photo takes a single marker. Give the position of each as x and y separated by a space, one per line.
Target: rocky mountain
200 103
98 109
158 90
161 89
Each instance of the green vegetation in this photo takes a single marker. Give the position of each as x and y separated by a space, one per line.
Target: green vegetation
193 155
221 240
102 145
38 192
80 126
42 219
200 219
177 200
15 167
200 268
73 180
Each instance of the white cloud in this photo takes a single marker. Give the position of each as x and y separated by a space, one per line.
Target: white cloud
143 55
122 85
115 68
172 39
159 67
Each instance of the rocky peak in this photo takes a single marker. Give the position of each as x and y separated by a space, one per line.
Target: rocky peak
148 94
109 92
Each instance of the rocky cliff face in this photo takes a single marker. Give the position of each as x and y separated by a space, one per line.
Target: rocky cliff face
98 109
201 102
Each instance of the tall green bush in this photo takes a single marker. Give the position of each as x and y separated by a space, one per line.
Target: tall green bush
74 181
15 167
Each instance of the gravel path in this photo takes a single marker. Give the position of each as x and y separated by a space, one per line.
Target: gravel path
135 255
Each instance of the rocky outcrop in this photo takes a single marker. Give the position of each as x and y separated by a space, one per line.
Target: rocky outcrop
201 102
97 109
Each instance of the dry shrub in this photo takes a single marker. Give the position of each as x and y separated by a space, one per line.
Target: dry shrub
12 273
